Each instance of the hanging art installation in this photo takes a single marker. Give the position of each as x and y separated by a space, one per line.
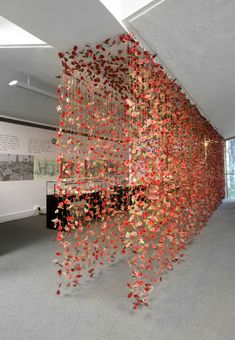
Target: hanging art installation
141 171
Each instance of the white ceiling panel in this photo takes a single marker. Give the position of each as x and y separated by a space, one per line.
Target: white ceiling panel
196 41
60 23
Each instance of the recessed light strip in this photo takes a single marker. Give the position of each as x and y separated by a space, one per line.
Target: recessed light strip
27 46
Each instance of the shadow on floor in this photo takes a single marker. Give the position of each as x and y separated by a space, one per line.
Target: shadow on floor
23 232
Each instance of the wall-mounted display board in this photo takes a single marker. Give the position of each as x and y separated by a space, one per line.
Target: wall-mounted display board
27 153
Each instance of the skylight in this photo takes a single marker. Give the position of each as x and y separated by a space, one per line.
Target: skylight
12 35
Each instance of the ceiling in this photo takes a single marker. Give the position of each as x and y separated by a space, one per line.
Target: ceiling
42 65
60 26
194 40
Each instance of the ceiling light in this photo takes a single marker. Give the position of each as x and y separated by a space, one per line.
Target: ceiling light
30 88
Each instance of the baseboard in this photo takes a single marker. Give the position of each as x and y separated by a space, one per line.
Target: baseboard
20 214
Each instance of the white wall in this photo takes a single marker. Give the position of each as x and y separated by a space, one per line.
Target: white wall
21 198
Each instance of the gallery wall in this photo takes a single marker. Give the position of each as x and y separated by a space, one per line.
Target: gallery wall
27 161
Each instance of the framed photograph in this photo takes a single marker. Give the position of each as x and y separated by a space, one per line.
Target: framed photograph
15 167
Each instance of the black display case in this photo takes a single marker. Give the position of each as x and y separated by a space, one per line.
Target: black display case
98 201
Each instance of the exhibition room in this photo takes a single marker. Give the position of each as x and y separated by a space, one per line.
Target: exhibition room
117 170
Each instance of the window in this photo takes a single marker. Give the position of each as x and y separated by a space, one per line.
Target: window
230 167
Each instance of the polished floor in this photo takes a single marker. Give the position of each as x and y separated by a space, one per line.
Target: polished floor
196 301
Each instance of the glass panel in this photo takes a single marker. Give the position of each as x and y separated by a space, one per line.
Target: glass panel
230 167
